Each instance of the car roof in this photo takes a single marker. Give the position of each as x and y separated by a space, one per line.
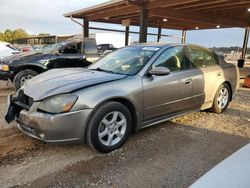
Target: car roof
165 44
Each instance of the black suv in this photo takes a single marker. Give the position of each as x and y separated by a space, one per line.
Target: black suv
22 67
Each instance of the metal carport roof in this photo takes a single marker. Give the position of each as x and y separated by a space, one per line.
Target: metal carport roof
180 14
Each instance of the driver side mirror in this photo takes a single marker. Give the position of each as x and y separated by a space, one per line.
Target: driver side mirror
159 71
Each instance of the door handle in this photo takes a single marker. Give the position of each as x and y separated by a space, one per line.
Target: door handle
188 81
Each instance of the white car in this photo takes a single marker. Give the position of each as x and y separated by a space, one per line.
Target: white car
7 50
233 172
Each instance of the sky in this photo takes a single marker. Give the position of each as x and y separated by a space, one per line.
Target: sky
46 16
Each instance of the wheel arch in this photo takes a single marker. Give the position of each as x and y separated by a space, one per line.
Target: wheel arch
230 87
131 108
38 69
126 102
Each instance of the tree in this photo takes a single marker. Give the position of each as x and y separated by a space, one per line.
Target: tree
1 36
43 34
19 34
10 36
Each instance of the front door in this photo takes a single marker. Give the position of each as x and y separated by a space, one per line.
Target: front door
69 56
170 94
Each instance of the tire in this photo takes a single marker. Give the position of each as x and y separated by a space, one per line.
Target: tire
103 125
222 99
22 77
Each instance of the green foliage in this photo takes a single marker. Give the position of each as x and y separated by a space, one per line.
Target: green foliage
10 36
43 34
1 36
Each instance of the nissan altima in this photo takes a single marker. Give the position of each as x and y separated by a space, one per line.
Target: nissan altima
129 89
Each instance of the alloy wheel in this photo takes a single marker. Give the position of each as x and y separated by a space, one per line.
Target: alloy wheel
112 128
223 97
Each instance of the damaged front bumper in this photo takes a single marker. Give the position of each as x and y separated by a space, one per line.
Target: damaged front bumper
11 110
65 127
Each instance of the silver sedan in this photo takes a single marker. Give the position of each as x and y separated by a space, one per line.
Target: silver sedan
129 89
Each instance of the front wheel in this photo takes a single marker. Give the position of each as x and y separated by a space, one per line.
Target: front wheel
221 99
109 127
22 77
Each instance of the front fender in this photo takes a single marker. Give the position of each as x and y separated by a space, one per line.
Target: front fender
129 89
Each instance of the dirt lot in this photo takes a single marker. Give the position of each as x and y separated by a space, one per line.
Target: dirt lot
172 154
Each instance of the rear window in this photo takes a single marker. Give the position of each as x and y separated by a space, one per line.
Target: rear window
201 57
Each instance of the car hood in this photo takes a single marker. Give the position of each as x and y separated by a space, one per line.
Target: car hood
26 56
58 81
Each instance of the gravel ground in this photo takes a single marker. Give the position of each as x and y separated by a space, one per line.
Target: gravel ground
171 154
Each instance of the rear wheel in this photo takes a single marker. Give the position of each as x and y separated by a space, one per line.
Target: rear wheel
221 99
109 127
22 77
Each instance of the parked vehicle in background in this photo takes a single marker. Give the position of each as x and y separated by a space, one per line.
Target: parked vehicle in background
105 49
22 67
230 173
6 50
129 89
116 39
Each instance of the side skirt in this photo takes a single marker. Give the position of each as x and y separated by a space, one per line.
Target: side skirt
166 118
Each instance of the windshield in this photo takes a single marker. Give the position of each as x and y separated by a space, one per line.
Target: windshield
125 61
52 47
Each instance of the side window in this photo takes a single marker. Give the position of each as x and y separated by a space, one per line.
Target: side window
201 57
71 49
216 58
173 59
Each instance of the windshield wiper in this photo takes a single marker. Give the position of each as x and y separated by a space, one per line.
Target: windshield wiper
103 70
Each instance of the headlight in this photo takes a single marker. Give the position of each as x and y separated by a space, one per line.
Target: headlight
4 67
58 104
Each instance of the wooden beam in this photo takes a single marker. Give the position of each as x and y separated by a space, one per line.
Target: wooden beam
143 24
86 28
167 3
159 34
126 35
113 13
136 2
245 42
184 35
183 16
171 24
200 4
226 9
221 5
132 32
131 9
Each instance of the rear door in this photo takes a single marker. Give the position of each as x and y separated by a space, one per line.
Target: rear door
170 94
207 74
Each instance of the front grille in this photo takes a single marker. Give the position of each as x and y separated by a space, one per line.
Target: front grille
23 100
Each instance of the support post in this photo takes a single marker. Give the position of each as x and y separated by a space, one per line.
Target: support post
143 24
86 28
159 34
126 35
184 35
245 42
